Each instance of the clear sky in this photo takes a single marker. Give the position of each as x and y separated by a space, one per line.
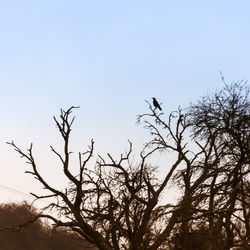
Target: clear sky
107 57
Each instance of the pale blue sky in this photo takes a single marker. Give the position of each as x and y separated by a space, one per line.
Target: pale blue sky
108 57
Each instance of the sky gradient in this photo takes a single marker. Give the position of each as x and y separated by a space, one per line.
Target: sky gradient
107 57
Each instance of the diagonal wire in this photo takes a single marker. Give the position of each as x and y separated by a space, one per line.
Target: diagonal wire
12 190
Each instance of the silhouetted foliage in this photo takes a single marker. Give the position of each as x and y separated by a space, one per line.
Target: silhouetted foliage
36 236
119 204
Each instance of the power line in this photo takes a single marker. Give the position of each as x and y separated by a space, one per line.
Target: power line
12 190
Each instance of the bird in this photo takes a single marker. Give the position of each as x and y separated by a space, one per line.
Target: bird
156 104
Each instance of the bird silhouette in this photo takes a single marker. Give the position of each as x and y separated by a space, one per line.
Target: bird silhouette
156 104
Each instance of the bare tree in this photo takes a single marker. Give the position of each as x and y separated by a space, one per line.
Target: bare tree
113 204
119 204
226 117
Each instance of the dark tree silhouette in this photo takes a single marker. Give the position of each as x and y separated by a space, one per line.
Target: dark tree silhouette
37 235
225 117
120 204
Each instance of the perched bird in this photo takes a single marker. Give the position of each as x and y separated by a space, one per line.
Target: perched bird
156 104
